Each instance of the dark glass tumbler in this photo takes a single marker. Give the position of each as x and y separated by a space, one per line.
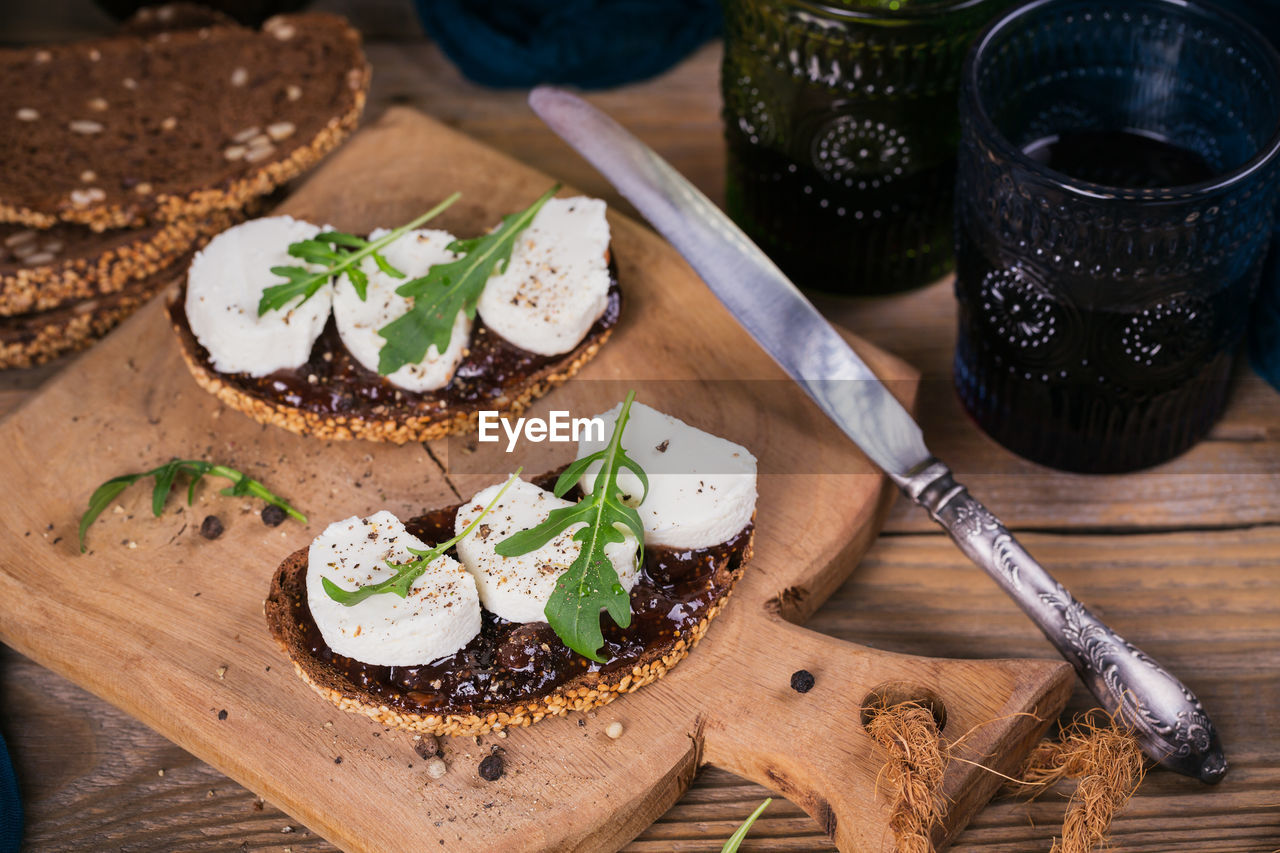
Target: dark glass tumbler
841 127
1117 172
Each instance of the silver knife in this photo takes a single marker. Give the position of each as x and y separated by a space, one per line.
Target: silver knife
1168 719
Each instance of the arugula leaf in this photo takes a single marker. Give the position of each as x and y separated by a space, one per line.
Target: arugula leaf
449 288
735 840
336 252
165 475
406 573
590 583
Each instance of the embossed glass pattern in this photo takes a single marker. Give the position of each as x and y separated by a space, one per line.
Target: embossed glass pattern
1099 319
840 120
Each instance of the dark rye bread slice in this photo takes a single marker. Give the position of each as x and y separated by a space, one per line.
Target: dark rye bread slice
44 269
333 396
30 339
510 674
131 129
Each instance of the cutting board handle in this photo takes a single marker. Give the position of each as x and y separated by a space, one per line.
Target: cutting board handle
812 747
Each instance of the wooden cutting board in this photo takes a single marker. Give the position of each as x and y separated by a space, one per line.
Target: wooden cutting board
169 626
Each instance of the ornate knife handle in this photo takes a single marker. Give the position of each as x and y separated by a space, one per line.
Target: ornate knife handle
1167 718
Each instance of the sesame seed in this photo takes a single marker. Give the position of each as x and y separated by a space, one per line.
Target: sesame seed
27 114
80 198
258 152
280 130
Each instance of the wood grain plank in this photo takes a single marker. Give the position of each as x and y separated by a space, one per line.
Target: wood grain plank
92 761
1225 481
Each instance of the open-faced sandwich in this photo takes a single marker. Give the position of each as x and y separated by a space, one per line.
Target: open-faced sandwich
402 336
488 615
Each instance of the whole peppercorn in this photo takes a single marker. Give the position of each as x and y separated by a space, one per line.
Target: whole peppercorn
211 527
427 746
272 515
802 681
491 768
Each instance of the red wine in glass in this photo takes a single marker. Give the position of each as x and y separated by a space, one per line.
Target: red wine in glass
1080 368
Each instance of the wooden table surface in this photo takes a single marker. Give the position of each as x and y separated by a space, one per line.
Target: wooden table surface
1184 560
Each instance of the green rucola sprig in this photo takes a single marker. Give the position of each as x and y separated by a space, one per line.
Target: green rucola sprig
449 288
591 583
334 253
165 475
735 840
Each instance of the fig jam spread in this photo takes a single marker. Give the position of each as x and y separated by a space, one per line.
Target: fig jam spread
332 382
511 661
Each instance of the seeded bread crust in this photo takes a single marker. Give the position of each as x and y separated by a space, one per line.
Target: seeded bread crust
210 118
88 263
583 693
31 339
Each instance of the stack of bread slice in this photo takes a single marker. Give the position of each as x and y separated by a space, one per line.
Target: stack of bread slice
121 156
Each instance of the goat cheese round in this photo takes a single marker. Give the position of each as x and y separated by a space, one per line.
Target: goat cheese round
556 282
359 320
225 283
702 488
518 588
439 617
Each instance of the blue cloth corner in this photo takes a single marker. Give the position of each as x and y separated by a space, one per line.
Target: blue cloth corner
10 805
592 44
1264 333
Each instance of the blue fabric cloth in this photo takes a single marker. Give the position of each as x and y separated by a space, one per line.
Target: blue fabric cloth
591 44
10 805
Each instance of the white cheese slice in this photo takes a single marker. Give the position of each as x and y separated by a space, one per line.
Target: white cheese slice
225 283
702 488
518 588
556 283
359 321
440 616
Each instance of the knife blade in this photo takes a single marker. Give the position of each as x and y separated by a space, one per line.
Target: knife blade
1167 718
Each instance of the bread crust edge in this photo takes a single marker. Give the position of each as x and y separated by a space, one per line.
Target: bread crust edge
54 285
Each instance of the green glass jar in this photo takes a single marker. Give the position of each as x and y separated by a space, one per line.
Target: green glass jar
841 125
